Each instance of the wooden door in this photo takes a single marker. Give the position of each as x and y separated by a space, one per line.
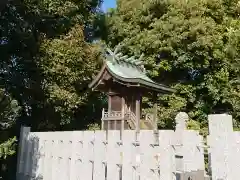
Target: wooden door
116 103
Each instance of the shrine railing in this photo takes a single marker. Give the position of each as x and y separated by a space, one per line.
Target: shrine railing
146 123
131 120
112 115
150 118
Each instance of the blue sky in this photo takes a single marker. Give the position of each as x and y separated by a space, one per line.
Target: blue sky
108 4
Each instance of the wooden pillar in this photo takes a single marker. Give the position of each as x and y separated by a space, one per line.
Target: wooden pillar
155 116
109 125
109 108
123 113
123 120
109 102
155 128
102 125
115 125
138 101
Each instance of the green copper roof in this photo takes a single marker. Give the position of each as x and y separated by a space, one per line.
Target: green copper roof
126 70
130 70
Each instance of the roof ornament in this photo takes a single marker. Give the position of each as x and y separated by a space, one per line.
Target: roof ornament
117 48
120 58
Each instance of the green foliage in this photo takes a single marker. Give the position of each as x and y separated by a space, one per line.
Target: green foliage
47 61
9 112
68 64
8 148
193 125
94 127
192 46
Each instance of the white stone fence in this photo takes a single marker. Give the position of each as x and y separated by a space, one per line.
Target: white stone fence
91 155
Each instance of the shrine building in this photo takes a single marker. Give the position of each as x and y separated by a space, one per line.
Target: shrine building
125 82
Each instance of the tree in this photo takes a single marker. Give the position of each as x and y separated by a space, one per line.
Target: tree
9 112
29 26
68 64
191 45
46 61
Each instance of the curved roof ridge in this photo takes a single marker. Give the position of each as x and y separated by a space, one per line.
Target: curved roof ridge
128 70
124 59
